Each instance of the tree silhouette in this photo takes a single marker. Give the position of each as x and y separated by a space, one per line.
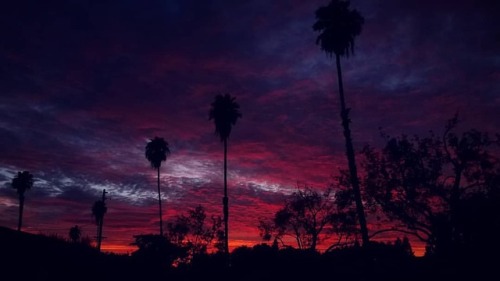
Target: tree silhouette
156 251
75 233
225 112
157 151
98 210
428 183
194 231
338 26
309 217
21 182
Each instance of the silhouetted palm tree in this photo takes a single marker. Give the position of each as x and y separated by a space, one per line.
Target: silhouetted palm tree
98 210
338 26
157 151
21 182
75 233
225 112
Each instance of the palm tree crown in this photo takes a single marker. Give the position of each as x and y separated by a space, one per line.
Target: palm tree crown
338 26
225 112
157 151
22 181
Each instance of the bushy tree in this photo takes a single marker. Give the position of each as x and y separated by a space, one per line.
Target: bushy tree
426 183
196 233
156 251
75 234
308 216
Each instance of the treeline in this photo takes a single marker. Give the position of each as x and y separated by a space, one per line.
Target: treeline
36 257
443 189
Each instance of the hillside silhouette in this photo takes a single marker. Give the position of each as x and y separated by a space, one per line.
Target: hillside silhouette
28 256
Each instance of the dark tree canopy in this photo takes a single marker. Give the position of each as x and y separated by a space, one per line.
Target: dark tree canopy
308 216
425 183
338 26
157 151
75 233
195 232
225 111
156 251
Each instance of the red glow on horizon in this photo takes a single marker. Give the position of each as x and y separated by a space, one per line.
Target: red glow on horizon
418 247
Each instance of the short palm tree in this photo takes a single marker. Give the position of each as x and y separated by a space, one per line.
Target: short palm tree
75 233
338 26
21 182
225 112
99 209
157 151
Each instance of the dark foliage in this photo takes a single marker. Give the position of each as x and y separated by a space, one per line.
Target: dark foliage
55 259
438 187
75 234
52 258
196 233
224 111
157 151
309 217
157 251
338 26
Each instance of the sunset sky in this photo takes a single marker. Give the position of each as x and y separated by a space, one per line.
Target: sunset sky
85 84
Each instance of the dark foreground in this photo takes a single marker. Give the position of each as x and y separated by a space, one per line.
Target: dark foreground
26 256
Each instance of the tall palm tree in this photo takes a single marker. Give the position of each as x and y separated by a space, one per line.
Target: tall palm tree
99 209
225 112
338 26
157 151
21 182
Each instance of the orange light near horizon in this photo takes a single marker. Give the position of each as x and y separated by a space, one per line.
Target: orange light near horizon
118 249
418 248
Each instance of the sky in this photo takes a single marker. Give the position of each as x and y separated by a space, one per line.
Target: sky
85 84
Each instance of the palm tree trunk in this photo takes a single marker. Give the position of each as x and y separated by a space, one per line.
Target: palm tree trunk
21 208
225 202
98 237
454 201
159 204
344 113
99 233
